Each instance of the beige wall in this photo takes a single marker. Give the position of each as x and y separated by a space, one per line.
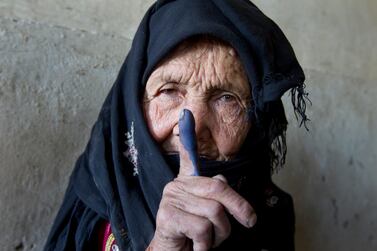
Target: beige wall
58 60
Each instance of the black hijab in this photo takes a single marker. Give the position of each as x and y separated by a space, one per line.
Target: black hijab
121 174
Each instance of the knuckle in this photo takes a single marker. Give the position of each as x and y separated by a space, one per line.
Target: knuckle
216 210
216 186
161 216
165 214
169 188
203 231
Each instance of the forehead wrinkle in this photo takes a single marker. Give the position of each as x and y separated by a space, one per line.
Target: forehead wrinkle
203 71
178 71
206 67
216 68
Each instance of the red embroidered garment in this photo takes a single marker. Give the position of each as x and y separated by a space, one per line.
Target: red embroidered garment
106 238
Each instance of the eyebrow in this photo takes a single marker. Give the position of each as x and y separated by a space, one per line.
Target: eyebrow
170 78
175 80
223 86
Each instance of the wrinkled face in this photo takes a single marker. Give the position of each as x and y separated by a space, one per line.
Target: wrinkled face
209 80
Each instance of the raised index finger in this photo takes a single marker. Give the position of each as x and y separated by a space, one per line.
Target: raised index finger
187 144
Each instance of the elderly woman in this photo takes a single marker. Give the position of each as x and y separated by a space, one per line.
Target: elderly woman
225 65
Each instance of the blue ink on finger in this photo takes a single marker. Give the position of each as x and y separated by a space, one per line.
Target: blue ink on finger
187 137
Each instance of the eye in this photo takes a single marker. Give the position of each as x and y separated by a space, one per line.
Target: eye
168 91
227 98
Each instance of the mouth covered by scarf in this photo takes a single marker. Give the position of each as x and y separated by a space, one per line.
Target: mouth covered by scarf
122 172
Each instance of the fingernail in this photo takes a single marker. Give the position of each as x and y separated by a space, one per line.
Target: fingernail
252 220
182 114
221 177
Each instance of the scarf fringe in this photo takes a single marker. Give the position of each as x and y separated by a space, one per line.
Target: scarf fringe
278 145
299 97
277 127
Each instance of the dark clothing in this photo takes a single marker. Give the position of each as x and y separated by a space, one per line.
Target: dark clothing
274 230
122 172
275 226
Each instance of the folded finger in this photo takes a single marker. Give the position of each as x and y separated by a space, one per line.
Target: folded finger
207 208
173 221
218 190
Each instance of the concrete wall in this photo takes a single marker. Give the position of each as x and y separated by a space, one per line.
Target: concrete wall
58 60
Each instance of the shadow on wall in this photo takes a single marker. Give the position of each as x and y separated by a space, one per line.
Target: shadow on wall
330 169
52 83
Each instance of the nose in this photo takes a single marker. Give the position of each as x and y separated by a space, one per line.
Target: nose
202 118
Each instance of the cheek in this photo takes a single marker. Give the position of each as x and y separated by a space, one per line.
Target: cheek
160 119
229 114
232 131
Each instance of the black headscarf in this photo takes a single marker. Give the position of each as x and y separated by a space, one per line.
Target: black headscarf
122 172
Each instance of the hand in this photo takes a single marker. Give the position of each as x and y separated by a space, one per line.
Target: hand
191 214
